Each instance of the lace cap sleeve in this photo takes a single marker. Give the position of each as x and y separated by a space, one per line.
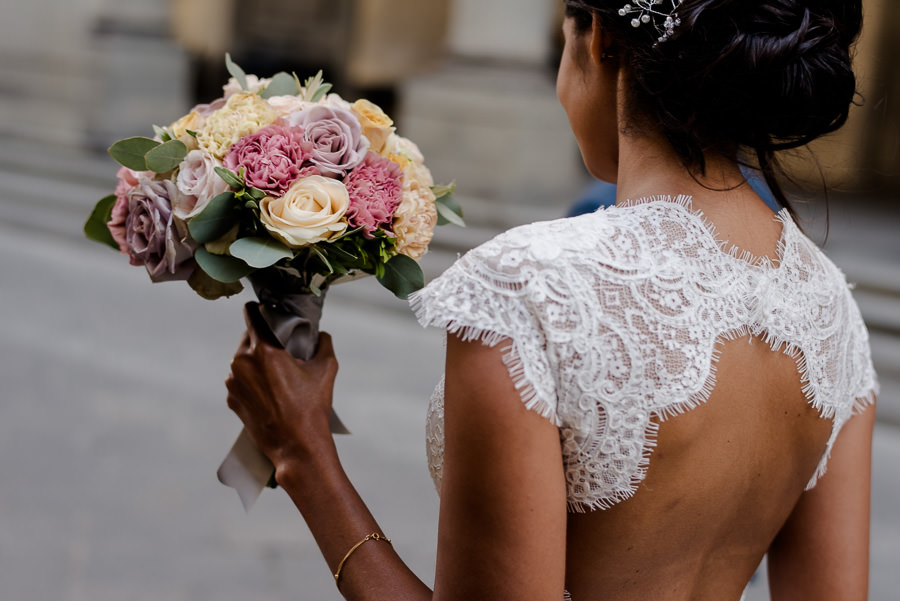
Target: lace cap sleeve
490 295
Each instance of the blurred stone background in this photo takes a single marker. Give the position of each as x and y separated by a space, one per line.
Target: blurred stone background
112 419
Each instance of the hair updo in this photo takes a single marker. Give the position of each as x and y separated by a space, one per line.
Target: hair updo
761 75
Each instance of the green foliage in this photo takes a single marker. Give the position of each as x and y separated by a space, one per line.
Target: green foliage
314 88
215 220
95 227
260 252
210 288
442 190
236 72
231 178
162 133
130 152
449 211
402 276
222 268
282 84
166 156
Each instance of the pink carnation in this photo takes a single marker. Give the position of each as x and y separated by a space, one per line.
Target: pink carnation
272 158
375 188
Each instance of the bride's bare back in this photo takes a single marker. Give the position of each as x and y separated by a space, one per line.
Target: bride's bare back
722 480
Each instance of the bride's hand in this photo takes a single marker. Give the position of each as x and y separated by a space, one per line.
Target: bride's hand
285 403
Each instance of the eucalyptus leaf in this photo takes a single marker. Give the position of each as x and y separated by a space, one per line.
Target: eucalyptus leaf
282 84
236 72
222 268
260 252
231 178
316 251
210 288
130 152
342 253
95 227
449 211
215 220
321 91
255 193
402 276
442 190
166 156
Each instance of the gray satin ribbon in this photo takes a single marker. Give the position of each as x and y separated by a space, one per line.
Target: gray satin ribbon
294 321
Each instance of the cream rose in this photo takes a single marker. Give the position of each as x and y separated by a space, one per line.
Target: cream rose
254 85
376 125
285 105
335 101
312 210
242 114
402 151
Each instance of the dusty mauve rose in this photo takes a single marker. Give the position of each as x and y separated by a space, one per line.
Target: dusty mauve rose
198 183
374 187
128 179
336 136
157 239
272 157
312 210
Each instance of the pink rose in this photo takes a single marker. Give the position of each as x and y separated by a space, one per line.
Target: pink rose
272 158
336 135
374 187
198 183
128 179
155 238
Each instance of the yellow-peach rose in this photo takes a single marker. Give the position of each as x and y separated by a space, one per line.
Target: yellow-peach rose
312 210
192 121
376 125
242 114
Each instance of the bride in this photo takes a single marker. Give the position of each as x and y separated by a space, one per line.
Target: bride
644 402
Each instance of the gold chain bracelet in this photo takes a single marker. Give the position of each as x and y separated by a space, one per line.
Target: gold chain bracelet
368 537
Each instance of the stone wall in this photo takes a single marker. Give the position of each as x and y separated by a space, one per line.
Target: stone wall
84 72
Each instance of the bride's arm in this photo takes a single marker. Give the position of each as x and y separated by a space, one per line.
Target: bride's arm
502 517
822 552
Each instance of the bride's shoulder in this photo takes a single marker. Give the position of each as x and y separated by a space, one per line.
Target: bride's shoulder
620 235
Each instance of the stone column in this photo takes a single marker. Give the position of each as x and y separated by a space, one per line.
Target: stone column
45 69
489 118
141 75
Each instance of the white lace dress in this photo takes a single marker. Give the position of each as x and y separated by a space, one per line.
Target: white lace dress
616 317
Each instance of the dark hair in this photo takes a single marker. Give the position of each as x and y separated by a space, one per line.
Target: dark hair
738 75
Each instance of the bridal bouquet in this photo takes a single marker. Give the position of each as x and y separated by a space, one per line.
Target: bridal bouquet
281 184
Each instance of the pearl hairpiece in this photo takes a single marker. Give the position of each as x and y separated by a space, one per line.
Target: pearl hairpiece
646 11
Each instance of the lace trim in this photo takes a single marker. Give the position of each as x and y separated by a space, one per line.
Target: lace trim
588 303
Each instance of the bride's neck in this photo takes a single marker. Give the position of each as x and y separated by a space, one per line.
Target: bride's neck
649 166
